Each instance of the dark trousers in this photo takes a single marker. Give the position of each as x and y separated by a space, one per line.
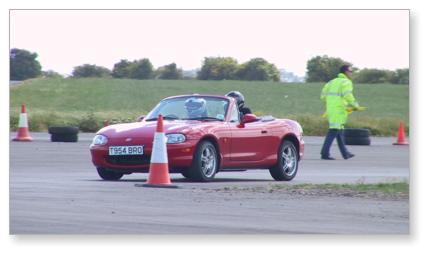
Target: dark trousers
330 136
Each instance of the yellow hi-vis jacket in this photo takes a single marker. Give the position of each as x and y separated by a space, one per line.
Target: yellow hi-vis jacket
338 95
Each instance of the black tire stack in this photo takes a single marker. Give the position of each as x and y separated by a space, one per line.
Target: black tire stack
359 137
64 134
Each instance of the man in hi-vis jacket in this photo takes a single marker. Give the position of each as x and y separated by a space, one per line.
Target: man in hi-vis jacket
338 96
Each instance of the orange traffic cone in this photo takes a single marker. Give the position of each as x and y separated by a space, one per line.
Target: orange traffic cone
158 171
23 134
402 140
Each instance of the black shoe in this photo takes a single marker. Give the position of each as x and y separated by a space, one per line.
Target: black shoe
348 156
327 158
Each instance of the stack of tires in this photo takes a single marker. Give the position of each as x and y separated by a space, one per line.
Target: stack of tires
358 137
63 134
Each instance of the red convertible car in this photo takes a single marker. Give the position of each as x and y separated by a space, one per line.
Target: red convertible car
205 134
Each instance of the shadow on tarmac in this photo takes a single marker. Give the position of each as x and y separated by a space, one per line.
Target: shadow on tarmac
184 180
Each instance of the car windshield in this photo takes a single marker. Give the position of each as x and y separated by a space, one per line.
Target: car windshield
191 108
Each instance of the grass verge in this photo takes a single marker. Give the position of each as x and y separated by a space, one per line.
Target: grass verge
396 187
88 102
393 190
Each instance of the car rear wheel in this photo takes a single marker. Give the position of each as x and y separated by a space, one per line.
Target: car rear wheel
108 174
205 163
287 162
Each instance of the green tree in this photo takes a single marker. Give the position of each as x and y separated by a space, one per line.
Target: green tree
258 69
169 71
323 68
141 69
90 70
51 74
218 68
401 76
23 64
373 76
122 69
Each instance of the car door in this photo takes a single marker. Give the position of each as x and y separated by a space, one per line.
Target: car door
248 142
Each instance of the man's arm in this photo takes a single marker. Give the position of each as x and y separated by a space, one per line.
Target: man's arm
246 110
324 91
347 93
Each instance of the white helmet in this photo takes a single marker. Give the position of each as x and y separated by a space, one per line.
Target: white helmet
196 107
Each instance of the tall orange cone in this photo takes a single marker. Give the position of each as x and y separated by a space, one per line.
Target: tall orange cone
402 140
23 134
158 171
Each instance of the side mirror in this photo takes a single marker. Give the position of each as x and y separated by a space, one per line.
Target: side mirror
249 118
140 118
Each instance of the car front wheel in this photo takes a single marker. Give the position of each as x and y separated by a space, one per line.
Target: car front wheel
108 174
204 164
287 162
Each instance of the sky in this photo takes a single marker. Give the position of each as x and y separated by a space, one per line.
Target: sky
64 39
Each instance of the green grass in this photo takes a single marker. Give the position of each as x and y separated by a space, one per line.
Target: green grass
72 101
396 187
385 188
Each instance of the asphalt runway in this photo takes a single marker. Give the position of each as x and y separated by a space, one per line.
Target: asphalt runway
55 189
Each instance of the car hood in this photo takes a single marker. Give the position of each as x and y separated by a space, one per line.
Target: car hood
147 129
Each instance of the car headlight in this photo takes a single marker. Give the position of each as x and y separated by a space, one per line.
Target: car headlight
175 138
99 140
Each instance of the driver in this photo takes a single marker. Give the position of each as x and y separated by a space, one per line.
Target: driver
239 98
196 107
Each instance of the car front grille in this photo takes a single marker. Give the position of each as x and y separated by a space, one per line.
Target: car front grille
129 159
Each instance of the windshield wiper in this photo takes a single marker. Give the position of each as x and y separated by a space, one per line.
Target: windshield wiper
164 117
203 118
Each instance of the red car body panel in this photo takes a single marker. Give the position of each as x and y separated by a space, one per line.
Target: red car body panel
240 146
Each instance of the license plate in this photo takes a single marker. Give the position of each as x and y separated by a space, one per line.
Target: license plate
125 150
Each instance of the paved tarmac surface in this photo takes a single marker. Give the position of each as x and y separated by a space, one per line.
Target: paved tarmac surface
54 189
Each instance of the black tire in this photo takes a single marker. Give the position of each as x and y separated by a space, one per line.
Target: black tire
278 172
63 130
356 133
108 174
359 141
197 172
64 138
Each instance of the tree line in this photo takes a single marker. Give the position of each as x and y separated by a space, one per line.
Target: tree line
213 68
325 68
24 65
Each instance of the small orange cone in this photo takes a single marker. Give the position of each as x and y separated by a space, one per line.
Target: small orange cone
23 134
158 171
402 140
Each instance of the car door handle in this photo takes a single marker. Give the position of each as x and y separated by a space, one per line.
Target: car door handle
264 132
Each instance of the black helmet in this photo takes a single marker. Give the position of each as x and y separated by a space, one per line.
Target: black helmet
239 98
